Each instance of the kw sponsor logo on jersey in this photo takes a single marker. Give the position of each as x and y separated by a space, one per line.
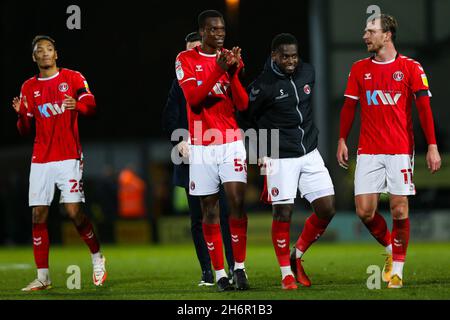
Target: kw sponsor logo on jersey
385 98
50 109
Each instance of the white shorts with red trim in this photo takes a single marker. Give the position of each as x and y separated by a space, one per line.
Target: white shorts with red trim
308 174
381 173
65 175
214 164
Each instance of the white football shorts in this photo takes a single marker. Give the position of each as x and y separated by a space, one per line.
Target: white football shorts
308 174
381 173
66 175
214 164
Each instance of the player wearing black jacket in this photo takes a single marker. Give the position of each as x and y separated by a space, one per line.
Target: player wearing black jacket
283 101
280 99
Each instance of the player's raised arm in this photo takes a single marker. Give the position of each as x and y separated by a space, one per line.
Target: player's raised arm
20 105
239 95
196 94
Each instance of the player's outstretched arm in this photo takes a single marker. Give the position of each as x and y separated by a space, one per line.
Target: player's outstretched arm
346 121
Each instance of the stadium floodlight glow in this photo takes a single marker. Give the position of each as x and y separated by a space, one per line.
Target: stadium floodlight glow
232 3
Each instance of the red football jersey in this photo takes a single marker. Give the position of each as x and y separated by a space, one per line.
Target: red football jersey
57 135
385 91
217 110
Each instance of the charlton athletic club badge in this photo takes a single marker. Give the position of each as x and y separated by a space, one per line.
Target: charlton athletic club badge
307 89
398 76
63 87
275 192
192 185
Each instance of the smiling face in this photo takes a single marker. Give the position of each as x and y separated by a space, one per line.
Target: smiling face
44 54
213 34
374 37
286 58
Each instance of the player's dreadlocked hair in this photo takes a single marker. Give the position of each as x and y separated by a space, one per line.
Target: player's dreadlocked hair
281 39
207 14
42 37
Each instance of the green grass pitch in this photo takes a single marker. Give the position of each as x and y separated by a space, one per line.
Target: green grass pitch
171 272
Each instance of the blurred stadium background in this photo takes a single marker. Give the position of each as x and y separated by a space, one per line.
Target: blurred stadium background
127 52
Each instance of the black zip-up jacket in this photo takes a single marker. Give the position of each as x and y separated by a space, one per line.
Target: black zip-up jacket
174 116
278 101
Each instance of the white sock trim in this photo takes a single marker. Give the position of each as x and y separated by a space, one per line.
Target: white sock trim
286 271
239 265
389 249
298 253
43 274
97 255
397 268
220 274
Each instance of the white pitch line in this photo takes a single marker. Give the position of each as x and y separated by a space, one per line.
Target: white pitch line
14 266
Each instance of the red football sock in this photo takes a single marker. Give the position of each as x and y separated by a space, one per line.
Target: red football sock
400 239
213 239
41 245
314 228
238 229
379 230
280 240
87 233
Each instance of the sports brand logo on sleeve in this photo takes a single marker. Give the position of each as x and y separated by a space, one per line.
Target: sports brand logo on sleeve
253 94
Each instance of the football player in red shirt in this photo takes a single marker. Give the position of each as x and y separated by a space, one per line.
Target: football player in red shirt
385 85
54 98
209 77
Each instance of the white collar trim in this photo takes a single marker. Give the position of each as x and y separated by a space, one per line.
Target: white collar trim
49 78
206 55
382 62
